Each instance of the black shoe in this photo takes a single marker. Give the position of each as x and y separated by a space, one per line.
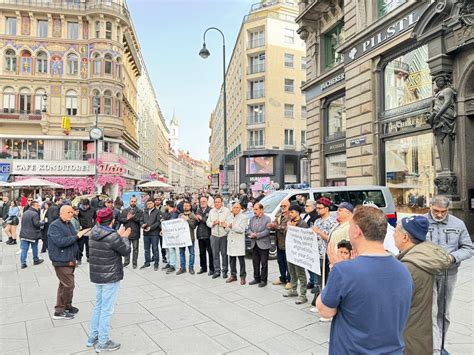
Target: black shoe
262 284
165 260
13 242
134 266
201 272
63 315
170 270
216 275
87 259
9 241
37 262
210 273
145 266
191 271
254 282
23 266
224 275
126 264
309 285
166 267
181 271
155 267
72 310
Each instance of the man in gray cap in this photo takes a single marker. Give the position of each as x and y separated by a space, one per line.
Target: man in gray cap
424 260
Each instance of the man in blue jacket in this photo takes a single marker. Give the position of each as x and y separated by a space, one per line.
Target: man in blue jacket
62 245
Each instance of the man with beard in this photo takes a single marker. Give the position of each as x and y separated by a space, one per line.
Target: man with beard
450 233
132 217
87 216
189 217
203 234
151 234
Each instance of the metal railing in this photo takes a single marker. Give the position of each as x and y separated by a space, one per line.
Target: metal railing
256 68
256 43
256 94
252 120
255 145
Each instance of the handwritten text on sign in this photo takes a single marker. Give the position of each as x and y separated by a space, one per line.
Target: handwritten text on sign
175 233
302 248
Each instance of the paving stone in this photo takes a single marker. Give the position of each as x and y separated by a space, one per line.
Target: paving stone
10 291
249 350
16 331
260 331
130 295
38 325
67 339
19 312
317 332
178 316
231 341
153 327
288 343
14 346
133 340
286 316
211 328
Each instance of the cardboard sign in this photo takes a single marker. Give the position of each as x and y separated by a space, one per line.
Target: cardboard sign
302 248
176 233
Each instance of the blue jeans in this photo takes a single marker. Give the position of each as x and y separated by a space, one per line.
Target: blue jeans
24 246
151 241
283 266
105 298
182 256
315 279
171 256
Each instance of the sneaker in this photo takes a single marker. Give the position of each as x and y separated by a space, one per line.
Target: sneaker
291 293
165 260
92 341
325 320
301 300
170 270
191 271
63 315
155 267
288 286
166 267
37 262
72 310
109 346
277 282
23 266
181 271
145 266
313 310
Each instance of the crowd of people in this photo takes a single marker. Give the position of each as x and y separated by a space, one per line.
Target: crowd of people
407 293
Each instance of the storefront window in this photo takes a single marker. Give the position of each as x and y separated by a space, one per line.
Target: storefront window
407 79
410 171
336 123
336 169
22 149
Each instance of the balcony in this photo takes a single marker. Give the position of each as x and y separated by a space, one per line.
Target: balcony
256 43
256 94
11 114
256 120
256 68
255 145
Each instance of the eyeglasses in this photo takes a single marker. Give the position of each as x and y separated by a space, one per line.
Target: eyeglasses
321 208
285 206
30 200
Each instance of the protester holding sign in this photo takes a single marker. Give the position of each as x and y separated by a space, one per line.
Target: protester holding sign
170 214
189 217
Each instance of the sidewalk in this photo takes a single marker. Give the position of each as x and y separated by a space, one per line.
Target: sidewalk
186 314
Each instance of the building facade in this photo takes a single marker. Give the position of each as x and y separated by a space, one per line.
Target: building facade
378 75
266 112
61 64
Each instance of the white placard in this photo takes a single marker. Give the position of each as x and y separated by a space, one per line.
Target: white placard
175 233
301 246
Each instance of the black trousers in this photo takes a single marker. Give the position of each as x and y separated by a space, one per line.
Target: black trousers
233 266
260 257
134 244
163 250
205 247
84 241
44 238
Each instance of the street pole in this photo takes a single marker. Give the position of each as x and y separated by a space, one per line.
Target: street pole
204 53
96 178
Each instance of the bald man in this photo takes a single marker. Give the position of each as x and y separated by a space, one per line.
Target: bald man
62 245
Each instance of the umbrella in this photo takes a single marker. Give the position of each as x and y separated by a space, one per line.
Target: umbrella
35 182
155 185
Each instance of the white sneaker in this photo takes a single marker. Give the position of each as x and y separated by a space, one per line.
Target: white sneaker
313 310
325 320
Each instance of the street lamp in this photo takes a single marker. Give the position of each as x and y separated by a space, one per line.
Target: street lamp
204 53
96 134
45 102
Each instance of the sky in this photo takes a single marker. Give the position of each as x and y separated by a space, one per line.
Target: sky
170 35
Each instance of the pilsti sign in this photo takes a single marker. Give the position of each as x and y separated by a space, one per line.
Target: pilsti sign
396 28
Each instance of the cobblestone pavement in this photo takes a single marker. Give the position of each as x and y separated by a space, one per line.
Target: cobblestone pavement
186 314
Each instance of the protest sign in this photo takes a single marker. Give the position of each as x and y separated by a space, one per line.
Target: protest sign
175 233
302 248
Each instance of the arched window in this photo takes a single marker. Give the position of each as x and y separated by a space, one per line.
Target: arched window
39 104
41 62
10 60
96 63
108 64
97 29
8 100
71 103
118 106
118 70
107 102
72 64
108 30
95 102
25 100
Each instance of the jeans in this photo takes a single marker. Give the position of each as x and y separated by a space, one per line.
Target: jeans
105 299
283 266
182 256
24 246
438 300
219 247
171 256
205 246
260 257
233 266
135 244
151 241
65 292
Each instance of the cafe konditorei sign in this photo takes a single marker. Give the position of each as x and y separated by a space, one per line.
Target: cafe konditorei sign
378 38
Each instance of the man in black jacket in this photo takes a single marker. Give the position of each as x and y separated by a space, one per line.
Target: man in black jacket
30 233
151 234
63 248
109 203
107 247
87 217
203 234
132 217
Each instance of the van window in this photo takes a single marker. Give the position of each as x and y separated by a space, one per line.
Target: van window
272 201
335 197
368 196
294 201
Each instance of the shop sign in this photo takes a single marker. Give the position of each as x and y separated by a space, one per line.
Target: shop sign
333 81
317 89
110 169
404 124
335 146
29 167
358 141
5 168
396 28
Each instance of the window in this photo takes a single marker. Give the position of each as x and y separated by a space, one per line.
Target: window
108 64
107 102
95 101
97 29
257 89
96 64
256 138
336 169
72 30
73 150
72 64
303 138
108 30
386 6
25 100
289 85
407 79
257 39
289 111
39 104
118 66
303 63
41 62
10 26
304 113
336 126
289 36
256 114
257 64
42 28
332 40
8 100
289 60
10 60
25 148
289 139
71 103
